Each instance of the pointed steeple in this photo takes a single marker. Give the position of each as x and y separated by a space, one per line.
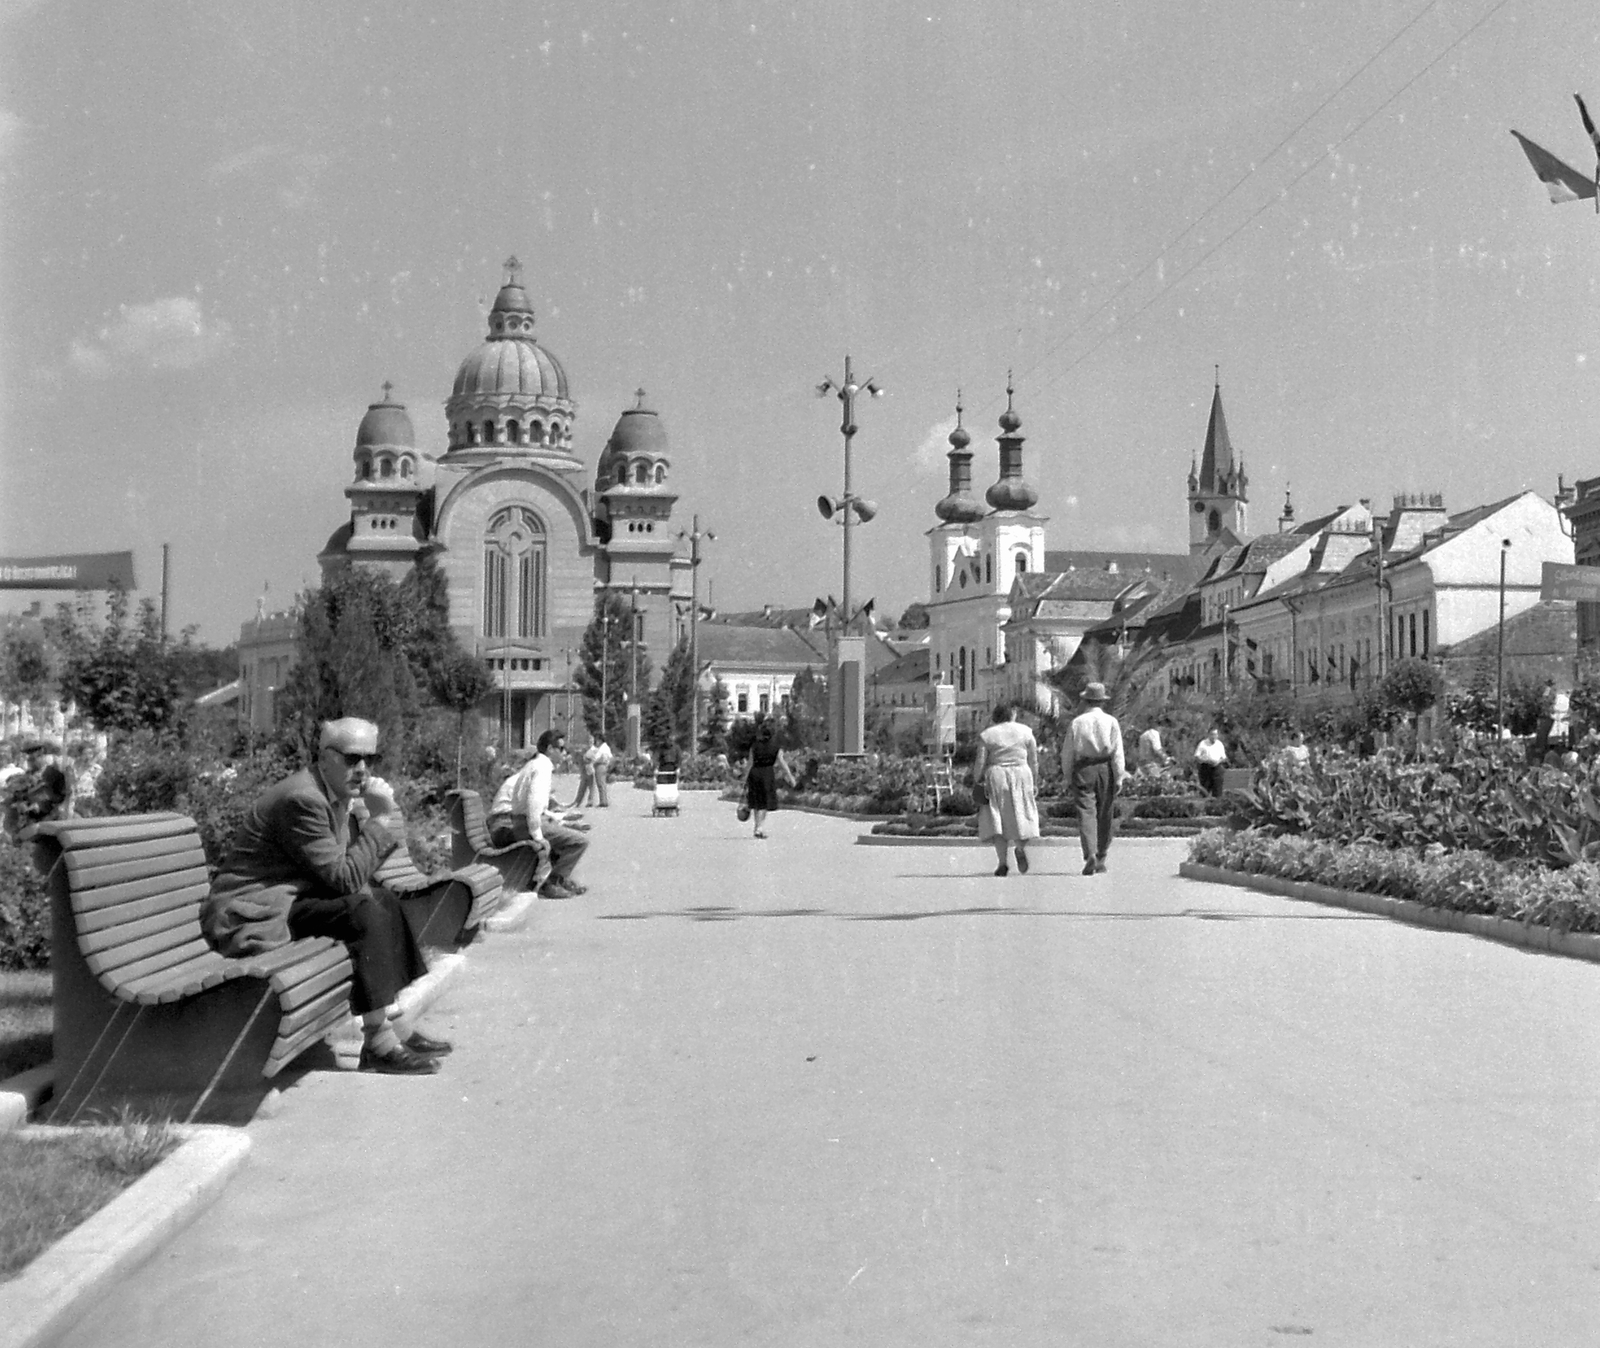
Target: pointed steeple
1216 461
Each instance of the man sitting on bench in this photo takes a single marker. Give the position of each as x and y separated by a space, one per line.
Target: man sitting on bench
524 812
301 864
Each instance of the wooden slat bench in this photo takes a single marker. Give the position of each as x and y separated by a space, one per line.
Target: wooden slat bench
522 865
147 1015
442 910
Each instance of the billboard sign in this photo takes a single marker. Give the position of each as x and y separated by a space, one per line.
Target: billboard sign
1581 583
77 571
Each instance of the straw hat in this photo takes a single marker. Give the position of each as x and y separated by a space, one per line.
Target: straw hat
1094 692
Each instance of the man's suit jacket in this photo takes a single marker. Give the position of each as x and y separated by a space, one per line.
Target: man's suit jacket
288 847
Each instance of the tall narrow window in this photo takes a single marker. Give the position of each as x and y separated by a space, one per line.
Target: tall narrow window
961 673
988 568
1425 616
515 602
1413 636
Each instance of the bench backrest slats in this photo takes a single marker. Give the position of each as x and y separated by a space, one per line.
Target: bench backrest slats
167 920
115 972
112 830
91 878
399 871
111 958
89 858
98 919
110 895
473 820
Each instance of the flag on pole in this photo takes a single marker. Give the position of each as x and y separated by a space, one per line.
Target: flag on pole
819 613
1561 180
1594 139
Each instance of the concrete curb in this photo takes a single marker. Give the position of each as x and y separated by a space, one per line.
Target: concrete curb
22 1094
415 999
60 1285
513 913
968 840
1507 931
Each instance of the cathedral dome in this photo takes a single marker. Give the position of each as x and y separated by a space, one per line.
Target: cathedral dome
386 425
518 367
637 452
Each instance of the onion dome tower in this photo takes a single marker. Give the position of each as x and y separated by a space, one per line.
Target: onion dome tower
630 483
960 506
384 530
511 396
1012 491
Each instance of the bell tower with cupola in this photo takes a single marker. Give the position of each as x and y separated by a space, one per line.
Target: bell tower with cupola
385 532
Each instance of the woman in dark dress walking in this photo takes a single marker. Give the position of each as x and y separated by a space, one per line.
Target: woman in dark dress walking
761 782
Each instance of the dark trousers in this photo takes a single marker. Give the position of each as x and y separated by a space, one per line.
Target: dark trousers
1096 789
1210 775
566 845
383 952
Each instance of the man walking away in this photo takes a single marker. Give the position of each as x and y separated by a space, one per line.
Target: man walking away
1093 766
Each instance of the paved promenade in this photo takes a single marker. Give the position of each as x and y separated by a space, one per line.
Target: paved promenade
804 1093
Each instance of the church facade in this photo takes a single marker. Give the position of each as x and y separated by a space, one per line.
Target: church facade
524 534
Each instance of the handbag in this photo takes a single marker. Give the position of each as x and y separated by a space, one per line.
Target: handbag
744 813
980 792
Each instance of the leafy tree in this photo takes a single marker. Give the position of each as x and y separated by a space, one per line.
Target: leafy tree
30 665
121 676
807 726
351 660
1409 688
459 681
666 712
1126 671
915 618
718 716
605 668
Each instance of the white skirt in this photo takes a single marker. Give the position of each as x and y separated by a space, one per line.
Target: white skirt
1011 811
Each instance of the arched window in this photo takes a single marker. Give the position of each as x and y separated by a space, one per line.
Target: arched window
961 668
1214 523
386 467
1022 562
641 473
513 432
661 473
515 577
488 432
405 467
364 469
535 432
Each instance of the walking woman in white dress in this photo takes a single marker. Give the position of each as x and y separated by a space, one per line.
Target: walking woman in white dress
1007 764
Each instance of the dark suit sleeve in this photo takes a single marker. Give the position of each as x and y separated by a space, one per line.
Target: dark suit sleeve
314 847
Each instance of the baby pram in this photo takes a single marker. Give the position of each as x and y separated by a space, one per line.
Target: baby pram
665 799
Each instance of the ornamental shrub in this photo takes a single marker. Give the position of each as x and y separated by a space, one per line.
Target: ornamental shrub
24 912
1467 882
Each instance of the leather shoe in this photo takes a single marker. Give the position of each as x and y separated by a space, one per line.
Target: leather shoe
398 1061
1089 868
428 1046
554 889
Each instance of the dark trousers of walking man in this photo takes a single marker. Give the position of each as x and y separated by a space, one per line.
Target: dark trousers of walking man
1095 786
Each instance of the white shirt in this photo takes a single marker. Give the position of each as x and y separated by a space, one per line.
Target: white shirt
1094 734
527 792
603 755
1211 751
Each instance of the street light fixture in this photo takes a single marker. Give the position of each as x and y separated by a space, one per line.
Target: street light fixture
1500 654
694 535
845 704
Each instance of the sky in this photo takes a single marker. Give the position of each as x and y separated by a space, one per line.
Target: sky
224 225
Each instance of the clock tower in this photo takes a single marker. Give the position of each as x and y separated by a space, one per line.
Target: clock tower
1218 500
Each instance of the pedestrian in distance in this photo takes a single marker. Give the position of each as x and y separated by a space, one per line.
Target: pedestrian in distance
1210 756
586 787
601 771
1295 752
1093 766
1152 756
761 779
1003 775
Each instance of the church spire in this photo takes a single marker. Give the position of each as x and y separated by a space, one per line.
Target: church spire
1011 492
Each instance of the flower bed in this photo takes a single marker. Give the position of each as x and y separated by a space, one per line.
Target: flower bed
1463 881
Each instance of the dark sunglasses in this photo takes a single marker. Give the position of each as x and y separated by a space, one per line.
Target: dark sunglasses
356 760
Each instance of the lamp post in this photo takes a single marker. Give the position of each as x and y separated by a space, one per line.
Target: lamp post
844 705
1500 653
694 535
605 665
566 651
633 634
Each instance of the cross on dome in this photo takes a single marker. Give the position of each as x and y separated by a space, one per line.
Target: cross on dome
639 394
513 270
387 389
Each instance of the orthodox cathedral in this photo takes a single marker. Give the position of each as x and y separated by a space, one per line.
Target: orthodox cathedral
506 510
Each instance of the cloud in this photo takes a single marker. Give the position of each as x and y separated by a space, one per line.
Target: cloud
166 334
935 444
296 172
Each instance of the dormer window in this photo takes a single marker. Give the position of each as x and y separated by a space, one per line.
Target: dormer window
1022 562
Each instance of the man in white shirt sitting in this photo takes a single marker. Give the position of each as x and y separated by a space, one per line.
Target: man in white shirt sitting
1093 765
1210 755
523 811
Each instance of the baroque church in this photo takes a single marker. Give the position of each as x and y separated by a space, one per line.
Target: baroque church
1004 613
503 503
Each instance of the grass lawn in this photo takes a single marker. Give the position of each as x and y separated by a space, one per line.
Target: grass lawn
25 1021
51 1182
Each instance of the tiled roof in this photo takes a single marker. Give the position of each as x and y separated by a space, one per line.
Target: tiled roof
1175 565
912 668
724 644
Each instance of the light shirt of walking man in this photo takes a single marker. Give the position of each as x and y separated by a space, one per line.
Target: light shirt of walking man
1093 765
1209 756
